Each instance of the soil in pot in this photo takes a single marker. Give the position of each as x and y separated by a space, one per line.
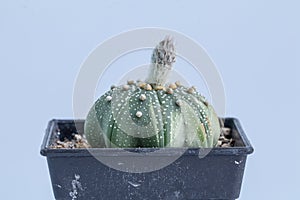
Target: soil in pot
76 140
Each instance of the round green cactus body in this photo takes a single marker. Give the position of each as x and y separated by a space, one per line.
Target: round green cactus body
152 114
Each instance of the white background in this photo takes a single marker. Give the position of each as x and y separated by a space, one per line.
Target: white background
255 45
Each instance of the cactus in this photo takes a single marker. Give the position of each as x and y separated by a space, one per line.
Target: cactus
153 113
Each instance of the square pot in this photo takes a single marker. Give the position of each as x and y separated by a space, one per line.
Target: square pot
78 174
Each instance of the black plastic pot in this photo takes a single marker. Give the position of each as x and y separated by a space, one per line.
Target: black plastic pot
76 174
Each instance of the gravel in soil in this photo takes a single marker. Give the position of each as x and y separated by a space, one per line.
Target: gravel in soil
225 139
79 141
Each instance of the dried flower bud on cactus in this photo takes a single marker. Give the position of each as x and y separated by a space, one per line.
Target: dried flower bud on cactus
162 59
152 114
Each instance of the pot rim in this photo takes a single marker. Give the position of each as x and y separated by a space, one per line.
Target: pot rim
168 151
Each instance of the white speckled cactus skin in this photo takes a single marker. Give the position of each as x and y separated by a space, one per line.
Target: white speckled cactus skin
152 114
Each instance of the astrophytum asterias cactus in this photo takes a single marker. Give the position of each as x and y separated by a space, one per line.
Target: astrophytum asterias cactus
153 113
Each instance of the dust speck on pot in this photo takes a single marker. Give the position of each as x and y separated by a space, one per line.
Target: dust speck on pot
76 187
135 185
237 162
